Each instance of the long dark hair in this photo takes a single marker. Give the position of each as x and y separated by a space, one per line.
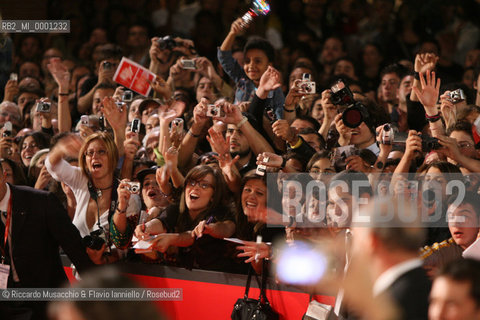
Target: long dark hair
244 229
219 199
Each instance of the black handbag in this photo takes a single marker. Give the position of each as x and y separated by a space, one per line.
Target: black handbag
247 308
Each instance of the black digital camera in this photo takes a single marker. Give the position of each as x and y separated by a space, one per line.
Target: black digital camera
355 112
167 43
95 239
341 94
430 143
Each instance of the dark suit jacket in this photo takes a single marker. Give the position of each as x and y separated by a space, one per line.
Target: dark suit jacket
410 293
39 226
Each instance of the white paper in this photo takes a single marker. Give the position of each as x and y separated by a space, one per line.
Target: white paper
236 240
473 251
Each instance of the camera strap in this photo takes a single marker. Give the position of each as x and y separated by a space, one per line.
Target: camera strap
113 199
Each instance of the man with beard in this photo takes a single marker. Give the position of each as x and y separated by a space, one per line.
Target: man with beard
239 146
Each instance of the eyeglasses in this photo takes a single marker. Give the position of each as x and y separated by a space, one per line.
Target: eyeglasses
91 153
201 184
31 146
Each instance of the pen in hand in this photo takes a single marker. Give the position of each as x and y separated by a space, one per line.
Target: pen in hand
209 220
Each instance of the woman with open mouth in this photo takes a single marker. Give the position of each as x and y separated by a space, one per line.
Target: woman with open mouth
197 224
103 203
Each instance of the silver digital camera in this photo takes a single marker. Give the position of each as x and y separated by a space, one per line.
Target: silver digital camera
456 96
188 64
215 111
306 86
134 187
43 106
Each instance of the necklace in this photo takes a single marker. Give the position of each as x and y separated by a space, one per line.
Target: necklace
99 191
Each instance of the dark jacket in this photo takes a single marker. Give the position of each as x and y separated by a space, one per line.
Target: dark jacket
40 225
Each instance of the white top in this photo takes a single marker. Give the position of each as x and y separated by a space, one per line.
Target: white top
78 182
388 277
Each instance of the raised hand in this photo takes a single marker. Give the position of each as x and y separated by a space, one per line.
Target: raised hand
170 154
448 109
237 27
123 195
343 130
233 115
425 62
118 94
43 179
428 96
217 142
59 72
413 144
131 145
200 113
269 159
329 109
205 67
160 86
269 81
282 129
11 90
117 117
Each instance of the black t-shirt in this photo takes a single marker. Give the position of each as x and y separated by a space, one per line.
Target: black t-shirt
88 85
206 252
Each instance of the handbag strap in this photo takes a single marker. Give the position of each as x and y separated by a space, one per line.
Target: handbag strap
263 289
249 279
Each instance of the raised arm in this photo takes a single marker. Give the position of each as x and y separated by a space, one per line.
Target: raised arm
255 140
85 102
428 96
62 77
117 118
189 142
235 30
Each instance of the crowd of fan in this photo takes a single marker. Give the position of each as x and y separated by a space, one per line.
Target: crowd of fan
204 142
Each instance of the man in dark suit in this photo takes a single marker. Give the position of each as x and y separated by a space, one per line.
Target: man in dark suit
391 248
36 225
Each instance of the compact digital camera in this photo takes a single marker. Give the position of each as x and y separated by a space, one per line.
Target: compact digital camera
215 111
306 86
43 106
134 187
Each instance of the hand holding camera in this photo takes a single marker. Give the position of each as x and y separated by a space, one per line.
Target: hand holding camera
11 90
131 145
269 159
450 148
6 141
344 131
125 189
282 129
413 144
306 85
106 71
329 109
114 113
231 113
200 118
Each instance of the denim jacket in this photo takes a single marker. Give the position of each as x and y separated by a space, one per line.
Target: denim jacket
245 87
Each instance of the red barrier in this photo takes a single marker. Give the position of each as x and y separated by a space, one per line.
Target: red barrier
211 295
